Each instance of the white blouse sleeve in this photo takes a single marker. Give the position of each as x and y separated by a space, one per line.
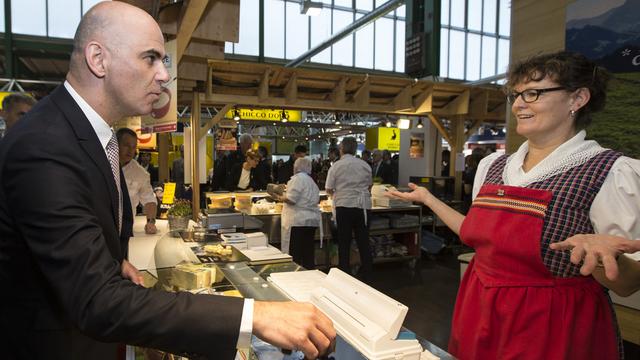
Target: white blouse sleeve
616 208
481 172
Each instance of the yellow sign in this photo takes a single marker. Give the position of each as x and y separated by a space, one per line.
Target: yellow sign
383 138
265 114
169 193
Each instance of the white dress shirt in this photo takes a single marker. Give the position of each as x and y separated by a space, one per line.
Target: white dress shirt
245 179
350 179
615 209
104 132
138 184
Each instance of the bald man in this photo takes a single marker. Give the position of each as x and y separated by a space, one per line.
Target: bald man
68 291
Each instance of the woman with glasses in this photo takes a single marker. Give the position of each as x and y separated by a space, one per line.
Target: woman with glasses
519 299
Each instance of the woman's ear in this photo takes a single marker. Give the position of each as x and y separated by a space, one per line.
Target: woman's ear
580 98
95 55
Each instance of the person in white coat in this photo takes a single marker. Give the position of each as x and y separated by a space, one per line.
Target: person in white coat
300 214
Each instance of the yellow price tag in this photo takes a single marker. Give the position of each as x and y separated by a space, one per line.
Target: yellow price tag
169 193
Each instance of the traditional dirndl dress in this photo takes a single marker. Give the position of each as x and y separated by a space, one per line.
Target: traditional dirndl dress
518 298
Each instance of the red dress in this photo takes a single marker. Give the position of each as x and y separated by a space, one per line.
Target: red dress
509 305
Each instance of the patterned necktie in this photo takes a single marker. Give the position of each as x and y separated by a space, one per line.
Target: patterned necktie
114 160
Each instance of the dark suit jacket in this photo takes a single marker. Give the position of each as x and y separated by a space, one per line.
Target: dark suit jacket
385 172
262 175
236 172
60 254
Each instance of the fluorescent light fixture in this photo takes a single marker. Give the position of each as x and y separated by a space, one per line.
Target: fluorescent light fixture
310 8
404 123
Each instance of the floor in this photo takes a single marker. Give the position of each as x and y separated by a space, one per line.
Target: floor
429 290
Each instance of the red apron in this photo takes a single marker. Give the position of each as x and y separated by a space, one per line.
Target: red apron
509 305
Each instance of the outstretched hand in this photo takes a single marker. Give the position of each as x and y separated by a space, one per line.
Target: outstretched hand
597 250
294 325
418 194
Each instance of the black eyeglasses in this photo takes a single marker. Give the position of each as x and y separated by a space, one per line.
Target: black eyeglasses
530 95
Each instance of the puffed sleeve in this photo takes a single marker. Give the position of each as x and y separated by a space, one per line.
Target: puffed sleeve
481 172
616 208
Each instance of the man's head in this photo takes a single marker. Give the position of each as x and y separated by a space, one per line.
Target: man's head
246 142
348 146
14 106
127 144
376 155
386 155
144 158
117 60
300 151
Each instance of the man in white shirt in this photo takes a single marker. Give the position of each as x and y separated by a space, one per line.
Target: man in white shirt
137 178
349 184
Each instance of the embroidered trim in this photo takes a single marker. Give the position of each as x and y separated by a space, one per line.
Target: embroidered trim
535 208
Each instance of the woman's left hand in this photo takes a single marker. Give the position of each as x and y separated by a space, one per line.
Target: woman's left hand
597 250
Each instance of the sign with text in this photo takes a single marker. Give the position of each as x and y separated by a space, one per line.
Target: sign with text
265 114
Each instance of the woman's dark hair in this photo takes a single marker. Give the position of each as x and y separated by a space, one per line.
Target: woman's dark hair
570 70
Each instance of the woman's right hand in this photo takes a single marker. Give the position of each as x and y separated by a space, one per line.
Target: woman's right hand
418 194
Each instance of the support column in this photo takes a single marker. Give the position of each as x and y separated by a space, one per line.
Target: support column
457 147
163 157
195 130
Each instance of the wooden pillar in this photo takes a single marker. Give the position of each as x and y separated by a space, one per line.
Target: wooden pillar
163 157
195 129
456 147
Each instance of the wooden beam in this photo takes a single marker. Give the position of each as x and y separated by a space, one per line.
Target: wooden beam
190 20
423 103
459 105
361 96
214 120
291 89
403 101
479 104
443 132
338 95
220 22
195 141
209 83
263 88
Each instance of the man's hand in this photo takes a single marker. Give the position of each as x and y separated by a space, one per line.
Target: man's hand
294 325
150 228
130 272
597 249
419 194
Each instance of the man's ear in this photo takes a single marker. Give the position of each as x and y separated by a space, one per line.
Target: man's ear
95 55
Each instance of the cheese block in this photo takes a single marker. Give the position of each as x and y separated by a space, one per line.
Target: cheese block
192 276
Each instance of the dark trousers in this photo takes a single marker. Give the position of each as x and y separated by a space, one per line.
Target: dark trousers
301 246
351 220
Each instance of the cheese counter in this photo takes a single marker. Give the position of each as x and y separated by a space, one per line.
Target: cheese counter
172 264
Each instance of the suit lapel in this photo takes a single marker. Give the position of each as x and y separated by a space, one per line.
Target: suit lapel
88 140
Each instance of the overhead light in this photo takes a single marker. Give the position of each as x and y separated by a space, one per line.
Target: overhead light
388 123
404 123
284 117
310 8
236 114
419 125
337 122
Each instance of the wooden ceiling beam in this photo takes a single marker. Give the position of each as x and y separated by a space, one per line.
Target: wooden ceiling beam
291 89
195 10
214 120
458 106
438 124
263 88
361 96
423 103
404 101
339 93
